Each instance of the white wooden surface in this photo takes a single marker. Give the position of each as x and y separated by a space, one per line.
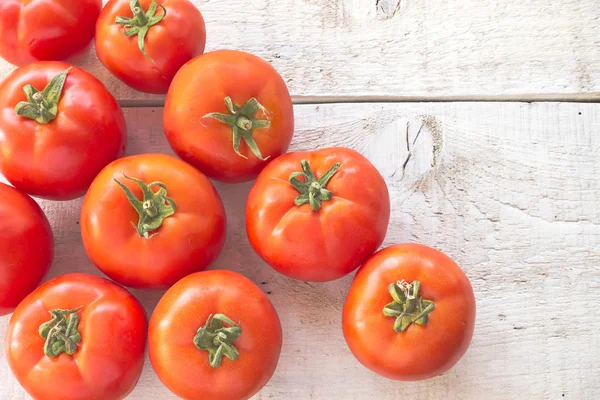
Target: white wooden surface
534 49
509 190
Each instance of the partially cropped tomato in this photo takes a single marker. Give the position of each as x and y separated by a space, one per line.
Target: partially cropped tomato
410 313
59 128
229 113
149 220
214 335
26 247
145 42
77 337
316 216
45 30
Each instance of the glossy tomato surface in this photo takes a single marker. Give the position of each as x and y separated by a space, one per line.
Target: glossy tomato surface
45 30
170 43
318 245
420 351
185 308
187 241
59 160
109 355
201 87
26 247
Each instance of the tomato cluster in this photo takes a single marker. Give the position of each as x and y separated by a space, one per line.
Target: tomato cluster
153 221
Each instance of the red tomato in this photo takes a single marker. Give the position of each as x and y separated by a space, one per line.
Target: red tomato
26 247
44 30
214 335
54 142
177 216
144 45
324 225
410 313
77 337
229 113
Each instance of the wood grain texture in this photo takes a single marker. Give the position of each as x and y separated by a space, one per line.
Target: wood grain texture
408 48
509 190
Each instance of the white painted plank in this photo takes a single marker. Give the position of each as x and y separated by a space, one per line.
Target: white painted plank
508 190
410 48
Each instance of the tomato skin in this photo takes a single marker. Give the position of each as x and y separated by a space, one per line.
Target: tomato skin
421 351
344 232
175 40
184 308
45 30
110 356
187 241
60 159
26 247
200 87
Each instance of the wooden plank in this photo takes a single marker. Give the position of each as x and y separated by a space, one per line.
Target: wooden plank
509 190
409 49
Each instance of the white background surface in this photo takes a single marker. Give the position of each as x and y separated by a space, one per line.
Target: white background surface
508 189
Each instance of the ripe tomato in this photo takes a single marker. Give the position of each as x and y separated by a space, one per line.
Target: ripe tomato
177 216
77 337
26 247
145 42
214 335
229 113
59 128
38 30
410 313
324 225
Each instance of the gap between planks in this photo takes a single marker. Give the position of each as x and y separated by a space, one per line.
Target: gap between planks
519 98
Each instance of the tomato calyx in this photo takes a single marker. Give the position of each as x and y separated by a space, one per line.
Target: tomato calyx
312 190
43 106
217 339
152 209
141 22
243 122
61 332
408 307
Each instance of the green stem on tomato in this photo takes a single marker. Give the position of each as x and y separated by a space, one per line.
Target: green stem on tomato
243 122
152 209
407 306
61 333
217 338
43 106
312 190
141 22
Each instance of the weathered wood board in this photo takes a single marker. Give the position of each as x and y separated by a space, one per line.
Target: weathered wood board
466 49
509 190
